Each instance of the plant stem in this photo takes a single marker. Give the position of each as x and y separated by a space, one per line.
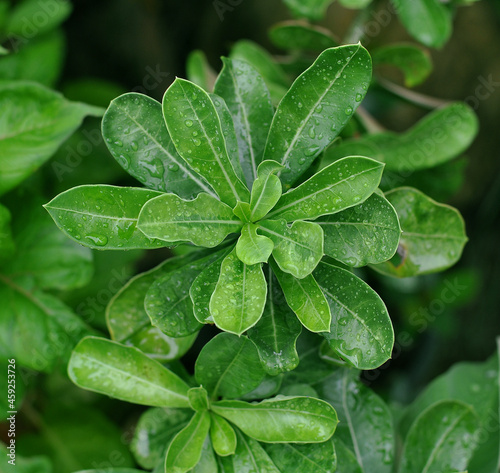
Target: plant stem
371 124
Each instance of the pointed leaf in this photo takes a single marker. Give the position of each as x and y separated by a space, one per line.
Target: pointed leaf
315 109
306 299
266 190
222 435
195 128
309 458
154 432
342 184
433 235
186 448
239 297
365 421
229 366
294 35
441 439
276 332
428 21
102 216
361 331
310 9
247 97
363 234
250 457
439 137
198 70
253 248
204 221
281 420
298 248
135 134
125 373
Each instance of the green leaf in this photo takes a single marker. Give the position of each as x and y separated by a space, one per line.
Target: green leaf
365 421
7 247
294 35
276 332
229 366
296 458
185 449
242 211
412 60
225 464
154 432
102 216
310 9
204 221
346 458
222 435
297 248
433 235
208 460
198 70
428 21
441 439
298 390
247 97
250 457
306 299
361 330
33 464
268 388
355 4
239 297
111 470
315 109
281 420
35 122
125 373
195 128
198 399
135 134
266 190
342 184
437 138
363 234
253 248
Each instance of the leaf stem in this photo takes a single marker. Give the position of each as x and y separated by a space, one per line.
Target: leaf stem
369 123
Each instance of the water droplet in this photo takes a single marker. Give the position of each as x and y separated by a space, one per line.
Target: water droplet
358 97
119 143
348 110
134 146
172 167
188 123
96 239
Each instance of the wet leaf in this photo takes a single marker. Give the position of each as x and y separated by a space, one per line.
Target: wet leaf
361 331
253 248
204 221
229 366
363 234
266 190
340 185
125 373
250 457
310 9
222 435
316 107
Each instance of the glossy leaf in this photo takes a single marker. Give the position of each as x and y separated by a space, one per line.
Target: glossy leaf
412 60
125 373
102 216
297 248
437 138
253 248
204 221
309 458
195 128
281 420
268 388
276 332
225 464
135 134
361 331
306 299
239 297
198 399
294 35
222 435
35 122
428 21
310 9
198 70
363 234
340 185
185 450
316 107
365 421
266 190
250 457
154 432
247 97
229 366
433 235
208 460
441 439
